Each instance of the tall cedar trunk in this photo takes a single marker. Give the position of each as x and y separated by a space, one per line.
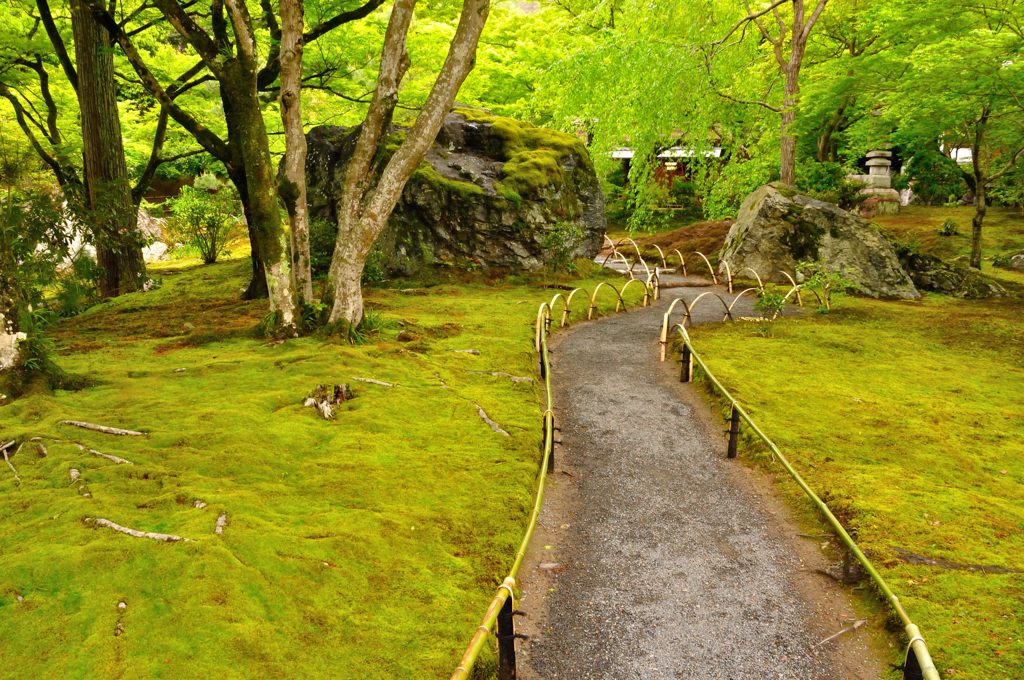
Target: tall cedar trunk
293 189
239 84
113 217
362 214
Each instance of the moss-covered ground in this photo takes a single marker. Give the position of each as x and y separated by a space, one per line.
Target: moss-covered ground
920 227
907 418
364 547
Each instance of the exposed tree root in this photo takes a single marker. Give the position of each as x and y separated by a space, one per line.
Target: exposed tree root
115 459
490 423
40 447
103 428
7 460
376 382
474 352
849 629
167 538
914 558
222 521
502 374
76 477
323 400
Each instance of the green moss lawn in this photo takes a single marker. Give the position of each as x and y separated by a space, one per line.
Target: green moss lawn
366 547
909 419
1002 235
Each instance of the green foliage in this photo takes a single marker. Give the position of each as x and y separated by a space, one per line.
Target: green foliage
204 216
735 182
827 182
770 304
949 228
559 243
1008 190
322 235
374 270
827 286
934 178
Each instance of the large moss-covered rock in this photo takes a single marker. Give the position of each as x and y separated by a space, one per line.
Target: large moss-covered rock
933 274
777 228
491 192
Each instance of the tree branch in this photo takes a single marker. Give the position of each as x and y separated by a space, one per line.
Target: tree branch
58 43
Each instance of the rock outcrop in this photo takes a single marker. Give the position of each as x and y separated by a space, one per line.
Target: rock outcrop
937 276
1017 262
777 228
492 192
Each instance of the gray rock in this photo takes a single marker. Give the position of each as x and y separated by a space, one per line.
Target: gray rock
492 192
932 274
776 229
1017 262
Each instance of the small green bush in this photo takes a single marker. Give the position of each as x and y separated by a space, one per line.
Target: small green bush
204 216
828 287
559 243
949 228
770 303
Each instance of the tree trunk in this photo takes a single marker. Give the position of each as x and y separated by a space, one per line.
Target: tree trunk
979 186
787 140
361 214
293 189
976 222
239 84
257 287
112 214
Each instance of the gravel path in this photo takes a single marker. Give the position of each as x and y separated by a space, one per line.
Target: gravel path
656 563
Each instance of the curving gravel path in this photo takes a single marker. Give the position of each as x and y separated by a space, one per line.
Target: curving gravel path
654 560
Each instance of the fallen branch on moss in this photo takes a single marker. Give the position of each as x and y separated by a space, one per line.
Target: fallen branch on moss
112 458
222 521
490 423
76 477
8 460
40 447
103 428
502 374
376 382
167 538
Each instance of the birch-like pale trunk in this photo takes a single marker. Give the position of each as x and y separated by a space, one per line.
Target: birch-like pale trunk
363 212
293 189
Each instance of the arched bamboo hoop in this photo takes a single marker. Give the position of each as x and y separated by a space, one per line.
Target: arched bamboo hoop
760 284
540 325
619 304
565 307
728 274
640 257
682 261
647 291
661 254
795 289
741 294
663 338
711 269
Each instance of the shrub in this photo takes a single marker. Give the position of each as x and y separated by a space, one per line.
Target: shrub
560 242
770 303
935 178
949 228
826 286
204 215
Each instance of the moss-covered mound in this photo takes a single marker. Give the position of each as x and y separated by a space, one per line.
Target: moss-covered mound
491 192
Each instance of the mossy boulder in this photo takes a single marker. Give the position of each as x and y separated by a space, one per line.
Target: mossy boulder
933 274
777 228
492 192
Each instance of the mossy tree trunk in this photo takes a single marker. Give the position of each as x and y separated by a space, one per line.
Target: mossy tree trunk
363 211
113 217
293 189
